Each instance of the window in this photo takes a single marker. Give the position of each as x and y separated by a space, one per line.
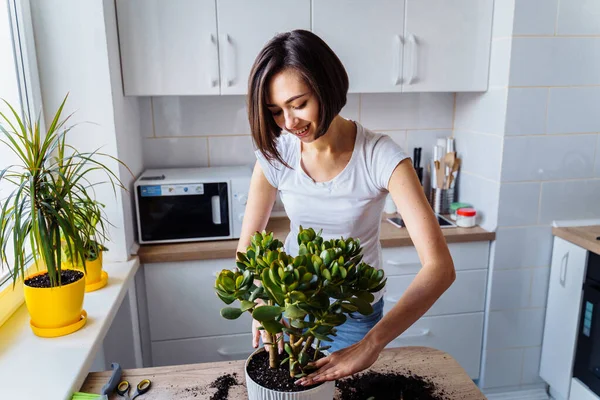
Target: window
19 86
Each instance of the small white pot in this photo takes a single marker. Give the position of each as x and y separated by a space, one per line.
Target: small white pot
324 391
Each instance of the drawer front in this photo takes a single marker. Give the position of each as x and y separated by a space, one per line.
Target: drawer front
199 350
467 293
405 260
458 335
182 302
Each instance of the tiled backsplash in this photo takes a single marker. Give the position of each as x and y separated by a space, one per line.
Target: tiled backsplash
204 131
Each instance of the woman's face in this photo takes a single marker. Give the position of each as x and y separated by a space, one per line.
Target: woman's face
293 105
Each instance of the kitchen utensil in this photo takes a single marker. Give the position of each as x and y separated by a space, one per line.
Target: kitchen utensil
141 388
454 173
449 160
450 145
439 174
114 379
417 163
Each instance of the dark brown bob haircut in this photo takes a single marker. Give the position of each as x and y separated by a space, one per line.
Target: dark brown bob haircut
316 63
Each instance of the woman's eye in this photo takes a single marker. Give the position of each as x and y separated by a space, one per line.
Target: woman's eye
301 106
276 113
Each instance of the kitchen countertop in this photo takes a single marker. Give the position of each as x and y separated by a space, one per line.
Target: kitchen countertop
583 236
390 236
192 381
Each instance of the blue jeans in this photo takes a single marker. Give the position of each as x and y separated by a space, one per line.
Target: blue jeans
355 328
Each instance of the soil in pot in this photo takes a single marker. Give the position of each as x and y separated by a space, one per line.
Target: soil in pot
277 378
43 280
388 386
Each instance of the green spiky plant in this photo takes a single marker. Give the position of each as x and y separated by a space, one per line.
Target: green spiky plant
92 224
299 289
50 186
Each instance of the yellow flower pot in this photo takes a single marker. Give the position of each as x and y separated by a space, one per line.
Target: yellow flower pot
55 311
95 277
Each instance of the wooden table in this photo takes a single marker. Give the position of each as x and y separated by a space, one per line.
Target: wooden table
186 382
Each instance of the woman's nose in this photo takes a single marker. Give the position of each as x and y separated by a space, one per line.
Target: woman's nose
291 122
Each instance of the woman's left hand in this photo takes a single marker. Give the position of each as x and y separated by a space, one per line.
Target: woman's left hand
342 363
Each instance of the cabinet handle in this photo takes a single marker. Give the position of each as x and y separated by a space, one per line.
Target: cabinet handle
390 299
229 60
214 76
224 351
413 58
216 209
401 264
421 333
397 73
563 269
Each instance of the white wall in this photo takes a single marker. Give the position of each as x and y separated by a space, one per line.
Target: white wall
542 122
77 52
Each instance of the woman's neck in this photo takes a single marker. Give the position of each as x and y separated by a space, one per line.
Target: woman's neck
339 138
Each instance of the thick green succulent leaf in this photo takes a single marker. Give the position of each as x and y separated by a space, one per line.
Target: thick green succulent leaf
272 326
231 312
246 305
299 324
323 338
303 358
334 319
293 312
364 307
256 293
350 308
265 313
227 299
366 296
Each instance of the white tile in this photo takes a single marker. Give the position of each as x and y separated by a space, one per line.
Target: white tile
523 247
481 112
574 110
425 139
545 157
597 163
231 150
394 111
555 61
200 116
519 204
502 368
510 289
515 328
480 153
351 109
175 152
570 200
504 11
146 122
526 111
531 366
500 62
400 138
539 287
579 17
535 17
483 195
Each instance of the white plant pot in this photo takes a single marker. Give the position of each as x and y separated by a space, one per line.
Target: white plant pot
324 391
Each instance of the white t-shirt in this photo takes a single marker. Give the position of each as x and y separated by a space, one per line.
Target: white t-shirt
349 205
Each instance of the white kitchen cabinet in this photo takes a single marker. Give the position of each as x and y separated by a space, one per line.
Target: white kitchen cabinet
447 45
567 274
245 27
367 36
168 47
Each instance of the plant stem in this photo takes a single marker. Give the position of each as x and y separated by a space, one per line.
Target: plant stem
317 346
308 343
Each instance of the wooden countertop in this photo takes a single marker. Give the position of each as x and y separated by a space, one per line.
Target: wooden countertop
583 236
390 236
191 381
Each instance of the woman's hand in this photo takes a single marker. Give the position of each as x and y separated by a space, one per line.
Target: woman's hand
342 363
261 333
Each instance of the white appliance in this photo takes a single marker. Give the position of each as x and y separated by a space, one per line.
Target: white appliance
191 204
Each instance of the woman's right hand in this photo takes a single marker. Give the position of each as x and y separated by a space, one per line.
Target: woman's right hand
261 333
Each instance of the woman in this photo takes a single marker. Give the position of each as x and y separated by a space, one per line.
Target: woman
333 174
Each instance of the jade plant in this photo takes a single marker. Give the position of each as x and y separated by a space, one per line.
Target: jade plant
304 297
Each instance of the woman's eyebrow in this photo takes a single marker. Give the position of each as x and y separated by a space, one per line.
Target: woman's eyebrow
289 100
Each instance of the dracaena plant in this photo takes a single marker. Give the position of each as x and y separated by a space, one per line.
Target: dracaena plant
306 297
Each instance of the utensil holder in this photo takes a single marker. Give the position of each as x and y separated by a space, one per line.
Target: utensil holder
440 200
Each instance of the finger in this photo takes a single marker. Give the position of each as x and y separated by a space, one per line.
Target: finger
320 362
255 336
280 343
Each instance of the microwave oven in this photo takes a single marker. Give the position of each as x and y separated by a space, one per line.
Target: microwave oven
191 204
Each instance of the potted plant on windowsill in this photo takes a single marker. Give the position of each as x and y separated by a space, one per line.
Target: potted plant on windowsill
305 298
91 224
50 179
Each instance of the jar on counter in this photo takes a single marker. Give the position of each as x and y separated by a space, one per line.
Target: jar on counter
456 206
465 217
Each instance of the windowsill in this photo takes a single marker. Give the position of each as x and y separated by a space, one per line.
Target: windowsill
56 368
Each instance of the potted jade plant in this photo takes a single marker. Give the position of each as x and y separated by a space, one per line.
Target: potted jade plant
91 224
304 299
50 182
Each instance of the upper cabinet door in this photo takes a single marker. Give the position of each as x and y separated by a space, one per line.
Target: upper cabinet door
245 27
368 38
168 47
447 45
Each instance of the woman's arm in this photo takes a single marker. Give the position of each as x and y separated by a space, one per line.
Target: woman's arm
432 280
261 197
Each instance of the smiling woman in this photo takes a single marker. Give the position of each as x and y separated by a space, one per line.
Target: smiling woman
19 85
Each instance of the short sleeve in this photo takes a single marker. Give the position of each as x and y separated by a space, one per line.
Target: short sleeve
271 171
386 155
